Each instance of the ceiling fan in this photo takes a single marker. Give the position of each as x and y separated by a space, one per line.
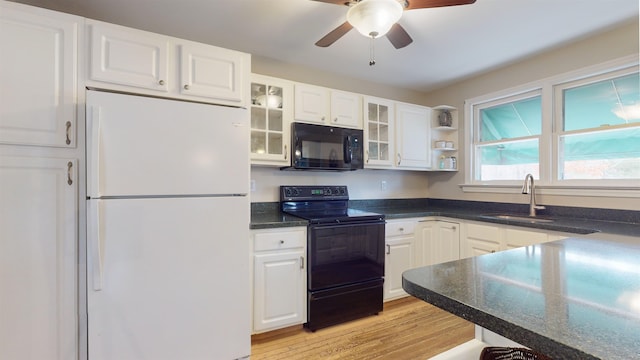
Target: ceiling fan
375 18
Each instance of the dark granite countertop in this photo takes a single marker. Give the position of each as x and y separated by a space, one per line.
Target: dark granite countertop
570 299
565 219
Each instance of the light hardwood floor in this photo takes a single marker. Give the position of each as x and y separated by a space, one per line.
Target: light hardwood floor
407 329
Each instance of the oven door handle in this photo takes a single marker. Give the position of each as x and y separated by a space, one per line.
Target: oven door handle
345 224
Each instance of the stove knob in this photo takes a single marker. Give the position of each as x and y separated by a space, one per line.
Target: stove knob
296 191
287 192
342 191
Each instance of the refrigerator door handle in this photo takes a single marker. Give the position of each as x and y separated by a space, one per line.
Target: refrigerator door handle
94 243
93 161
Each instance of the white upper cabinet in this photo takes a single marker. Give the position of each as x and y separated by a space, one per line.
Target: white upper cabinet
128 57
379 122
413 141
271 116
212 73
39 72
319 105
345 109
131 60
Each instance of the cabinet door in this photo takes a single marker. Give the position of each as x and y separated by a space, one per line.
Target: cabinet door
481 239
379 122
400 255
271 116
345 109
128 57
311 103
38 68
279 290
213 73
413 141
446 246
38 239
514 238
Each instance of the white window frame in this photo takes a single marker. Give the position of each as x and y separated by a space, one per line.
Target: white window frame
476 132
549 88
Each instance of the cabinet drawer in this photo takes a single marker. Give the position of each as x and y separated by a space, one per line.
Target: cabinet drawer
483 232
265 241
400 228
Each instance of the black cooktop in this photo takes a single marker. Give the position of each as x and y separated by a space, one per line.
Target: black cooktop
322 204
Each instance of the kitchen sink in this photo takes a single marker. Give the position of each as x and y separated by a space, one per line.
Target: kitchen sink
529 219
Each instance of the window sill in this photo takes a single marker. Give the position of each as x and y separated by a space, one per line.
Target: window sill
595 191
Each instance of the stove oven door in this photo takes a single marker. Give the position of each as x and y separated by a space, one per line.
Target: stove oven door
345 274
343 254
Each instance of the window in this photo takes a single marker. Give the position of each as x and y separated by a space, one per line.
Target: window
507 138
579 130
600 132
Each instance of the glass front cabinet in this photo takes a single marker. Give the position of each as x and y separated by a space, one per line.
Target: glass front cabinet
271 117
378 132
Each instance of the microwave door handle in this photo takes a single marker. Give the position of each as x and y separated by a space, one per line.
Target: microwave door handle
348 151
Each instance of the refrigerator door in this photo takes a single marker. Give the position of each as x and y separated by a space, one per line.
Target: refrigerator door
138 146
168 279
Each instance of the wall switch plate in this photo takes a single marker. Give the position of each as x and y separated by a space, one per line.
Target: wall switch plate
383 185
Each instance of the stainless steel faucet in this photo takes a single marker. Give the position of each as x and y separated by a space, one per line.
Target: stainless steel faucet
529 188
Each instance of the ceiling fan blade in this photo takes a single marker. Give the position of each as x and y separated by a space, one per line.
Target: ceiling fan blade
398 36
421 4
337 2
334 35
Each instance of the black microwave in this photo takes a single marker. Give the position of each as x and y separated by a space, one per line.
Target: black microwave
321 147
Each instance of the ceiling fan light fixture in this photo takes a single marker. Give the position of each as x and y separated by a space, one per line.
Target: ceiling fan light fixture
374 18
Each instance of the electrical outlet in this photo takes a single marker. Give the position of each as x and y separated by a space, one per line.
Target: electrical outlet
383 185
253 185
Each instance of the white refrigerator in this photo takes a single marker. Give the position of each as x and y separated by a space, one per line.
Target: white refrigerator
167 229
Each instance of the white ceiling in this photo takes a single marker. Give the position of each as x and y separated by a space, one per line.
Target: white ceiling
450 43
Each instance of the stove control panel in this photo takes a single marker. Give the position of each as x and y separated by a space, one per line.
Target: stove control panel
306 193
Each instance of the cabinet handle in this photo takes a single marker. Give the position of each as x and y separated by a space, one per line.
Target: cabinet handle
322 118
69 177
399 158
281 242
285 152
401 229
161 82
335 120
68 132
186 87
492 251
388 249
367 161
301 262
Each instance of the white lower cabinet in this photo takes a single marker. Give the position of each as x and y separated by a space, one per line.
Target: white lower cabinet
38 258
400 255
479 239
279 278
483 238
415 242
439 241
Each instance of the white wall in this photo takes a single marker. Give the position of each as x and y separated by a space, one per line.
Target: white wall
363 184
615 43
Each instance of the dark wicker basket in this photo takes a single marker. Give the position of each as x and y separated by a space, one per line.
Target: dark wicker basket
510 353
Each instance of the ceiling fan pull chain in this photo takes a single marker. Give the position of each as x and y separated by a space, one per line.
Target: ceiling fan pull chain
372 59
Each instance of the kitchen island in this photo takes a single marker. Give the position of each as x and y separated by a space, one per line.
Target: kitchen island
569 299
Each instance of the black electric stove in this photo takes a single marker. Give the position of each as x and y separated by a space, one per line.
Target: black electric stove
345 253
322 204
